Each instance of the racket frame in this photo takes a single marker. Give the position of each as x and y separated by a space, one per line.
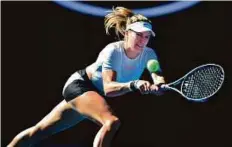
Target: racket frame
171 86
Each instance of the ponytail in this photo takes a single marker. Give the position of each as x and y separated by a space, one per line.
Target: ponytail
117 19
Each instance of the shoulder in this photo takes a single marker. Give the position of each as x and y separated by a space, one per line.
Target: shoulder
149 53
113 47
111 50
149 50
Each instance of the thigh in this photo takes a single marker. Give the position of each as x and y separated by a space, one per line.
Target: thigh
92 105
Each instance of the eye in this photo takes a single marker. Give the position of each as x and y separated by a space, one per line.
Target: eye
139 34
147 37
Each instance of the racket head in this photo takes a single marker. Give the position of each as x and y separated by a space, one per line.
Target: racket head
202 82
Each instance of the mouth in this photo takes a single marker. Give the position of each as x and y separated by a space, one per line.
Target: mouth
139 46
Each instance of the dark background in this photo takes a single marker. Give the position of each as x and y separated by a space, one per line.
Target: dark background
43 43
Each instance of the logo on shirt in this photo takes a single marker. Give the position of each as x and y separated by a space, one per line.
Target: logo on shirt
128 67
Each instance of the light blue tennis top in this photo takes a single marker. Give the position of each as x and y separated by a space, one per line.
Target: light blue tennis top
113 57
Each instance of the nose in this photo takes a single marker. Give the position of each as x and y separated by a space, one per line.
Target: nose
143 40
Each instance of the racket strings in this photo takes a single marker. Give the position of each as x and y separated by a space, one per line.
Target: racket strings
203 82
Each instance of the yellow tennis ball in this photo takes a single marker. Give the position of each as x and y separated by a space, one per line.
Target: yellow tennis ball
153 65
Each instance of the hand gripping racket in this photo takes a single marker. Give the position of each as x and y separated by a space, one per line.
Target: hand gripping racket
199 84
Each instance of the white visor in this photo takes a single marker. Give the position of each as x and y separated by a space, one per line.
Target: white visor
141 26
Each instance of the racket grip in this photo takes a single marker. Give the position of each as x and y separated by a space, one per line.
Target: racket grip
163 86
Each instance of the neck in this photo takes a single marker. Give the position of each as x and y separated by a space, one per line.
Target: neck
130 53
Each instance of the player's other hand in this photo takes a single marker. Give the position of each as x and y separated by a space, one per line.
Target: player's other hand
159 80
155 88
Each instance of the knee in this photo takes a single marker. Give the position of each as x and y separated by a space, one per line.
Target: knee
35 134
112 123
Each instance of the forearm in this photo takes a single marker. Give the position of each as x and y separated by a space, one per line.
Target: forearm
113 89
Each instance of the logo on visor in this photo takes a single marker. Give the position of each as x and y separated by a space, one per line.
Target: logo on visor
147 25
98 11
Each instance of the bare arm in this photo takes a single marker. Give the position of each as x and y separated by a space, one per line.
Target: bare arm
111 87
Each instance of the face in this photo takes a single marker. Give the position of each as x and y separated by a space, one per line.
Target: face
137 40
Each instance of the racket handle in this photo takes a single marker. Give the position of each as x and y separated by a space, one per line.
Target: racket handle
163 86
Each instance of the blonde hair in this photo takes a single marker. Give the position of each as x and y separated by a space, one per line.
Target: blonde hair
119 18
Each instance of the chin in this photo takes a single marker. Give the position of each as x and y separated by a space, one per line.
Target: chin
138 49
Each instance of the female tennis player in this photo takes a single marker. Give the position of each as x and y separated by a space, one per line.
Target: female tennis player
116 72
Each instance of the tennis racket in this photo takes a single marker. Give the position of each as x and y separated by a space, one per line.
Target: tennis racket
199 84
